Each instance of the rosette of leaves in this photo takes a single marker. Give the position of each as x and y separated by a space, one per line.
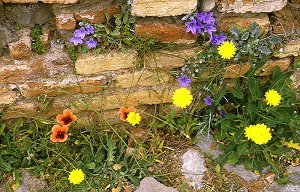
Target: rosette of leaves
252 45
248 107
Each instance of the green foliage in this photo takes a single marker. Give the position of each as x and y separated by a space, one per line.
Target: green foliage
27 145
252 45
35 34
248 107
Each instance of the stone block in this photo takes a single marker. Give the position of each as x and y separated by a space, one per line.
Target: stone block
286 21
236 70
243 6
44 1
68 85
244 21
29 14
142 78
24 108
239 70
290 48
96 14
169 59
149 184
269 67
161 8
7 96
127 97
65 21
21 49
164 30
88 64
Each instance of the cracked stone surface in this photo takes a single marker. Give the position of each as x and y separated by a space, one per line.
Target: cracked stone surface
149 184
241 172
193 168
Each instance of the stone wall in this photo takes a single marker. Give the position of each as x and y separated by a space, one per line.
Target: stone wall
33 85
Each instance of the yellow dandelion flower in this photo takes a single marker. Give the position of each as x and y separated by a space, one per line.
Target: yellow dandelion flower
133 118
291 144
76 176
182 97
259 134
273 97
227 50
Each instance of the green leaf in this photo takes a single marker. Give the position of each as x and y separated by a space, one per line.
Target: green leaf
265 50
2 128
111 144
220 95
91 165
245 36
251 110
218 169
237 92
255 92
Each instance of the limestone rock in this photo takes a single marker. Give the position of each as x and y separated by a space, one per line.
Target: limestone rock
142 78
193 168
290 48
114 60
243 6
207 5
208 144
149 184
44 1
21 49
7 96
241 172
161 8
164 30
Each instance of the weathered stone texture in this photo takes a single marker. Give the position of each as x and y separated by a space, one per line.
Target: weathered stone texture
243 6
160 8
96 14
149 184
7 96
290 48
24 108
44 1
65 22
239 70
130 97
21 49
163 30
169 59
88 64
29 15
69 85
142 78
227 21
286 21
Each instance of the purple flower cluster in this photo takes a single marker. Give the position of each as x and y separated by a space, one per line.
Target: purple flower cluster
80 36
204 22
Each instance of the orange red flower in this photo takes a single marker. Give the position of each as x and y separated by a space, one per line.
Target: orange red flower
66 118
124 112
59 134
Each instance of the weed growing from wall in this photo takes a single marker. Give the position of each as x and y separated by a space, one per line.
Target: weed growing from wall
35 34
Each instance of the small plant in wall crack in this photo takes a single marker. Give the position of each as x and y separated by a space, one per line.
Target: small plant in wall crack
35 34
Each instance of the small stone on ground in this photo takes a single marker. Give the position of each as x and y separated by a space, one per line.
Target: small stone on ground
149 184
241 172
193 168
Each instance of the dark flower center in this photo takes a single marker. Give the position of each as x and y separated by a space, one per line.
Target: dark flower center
67 120
60 134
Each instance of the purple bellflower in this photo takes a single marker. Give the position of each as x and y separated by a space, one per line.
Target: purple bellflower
208 101
209 28
76 40
218 39
80 32
91 43
209 19
184 81
192 26
89 29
